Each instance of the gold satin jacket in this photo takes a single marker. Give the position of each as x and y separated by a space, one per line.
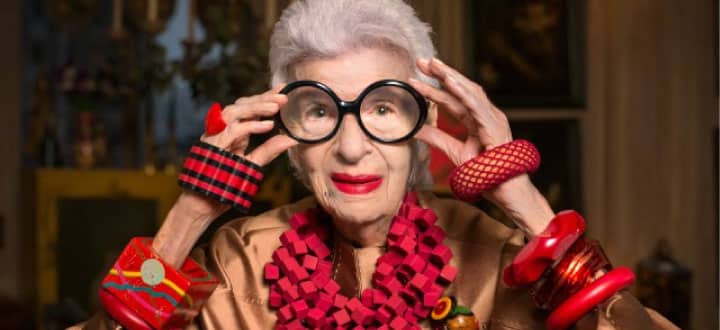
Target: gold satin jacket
481 245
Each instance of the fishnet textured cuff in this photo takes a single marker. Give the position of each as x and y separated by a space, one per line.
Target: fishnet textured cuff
493 167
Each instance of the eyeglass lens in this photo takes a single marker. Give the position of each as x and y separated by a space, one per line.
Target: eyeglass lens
387 113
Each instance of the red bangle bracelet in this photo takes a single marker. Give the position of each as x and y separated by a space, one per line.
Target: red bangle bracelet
121 313
221 175
492 168
588 297
545 249
160 295
574 271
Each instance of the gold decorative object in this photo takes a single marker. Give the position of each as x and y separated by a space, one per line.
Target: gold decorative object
228 21
150 16
71 15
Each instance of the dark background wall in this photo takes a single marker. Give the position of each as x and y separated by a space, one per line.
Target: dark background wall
647 132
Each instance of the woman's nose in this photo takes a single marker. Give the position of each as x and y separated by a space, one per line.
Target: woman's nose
352 143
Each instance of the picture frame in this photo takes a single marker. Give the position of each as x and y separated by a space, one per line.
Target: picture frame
528 53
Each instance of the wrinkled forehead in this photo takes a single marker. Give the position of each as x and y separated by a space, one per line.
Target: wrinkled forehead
349 74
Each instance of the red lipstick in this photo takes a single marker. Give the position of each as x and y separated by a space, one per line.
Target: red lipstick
356 184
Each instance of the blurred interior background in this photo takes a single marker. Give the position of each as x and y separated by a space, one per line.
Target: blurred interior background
101 99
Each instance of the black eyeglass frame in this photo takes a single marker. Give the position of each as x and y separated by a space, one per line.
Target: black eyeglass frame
353 107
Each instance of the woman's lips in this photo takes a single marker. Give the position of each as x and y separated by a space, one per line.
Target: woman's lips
356 184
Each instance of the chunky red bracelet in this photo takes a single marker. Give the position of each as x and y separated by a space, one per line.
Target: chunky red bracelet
572 309
578 268
544 250
121 313
492 168
160 295
562 266
221 175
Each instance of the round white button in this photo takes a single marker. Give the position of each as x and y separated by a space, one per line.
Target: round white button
152 272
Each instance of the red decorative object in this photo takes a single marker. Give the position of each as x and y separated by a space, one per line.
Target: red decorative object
588 297
214 122
221 175
305 296
160 295
545 249
563 267
579 267
121 313
492 168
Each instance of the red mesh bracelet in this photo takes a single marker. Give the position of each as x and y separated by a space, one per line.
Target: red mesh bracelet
492 168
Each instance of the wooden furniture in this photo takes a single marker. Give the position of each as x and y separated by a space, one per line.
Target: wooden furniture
82 220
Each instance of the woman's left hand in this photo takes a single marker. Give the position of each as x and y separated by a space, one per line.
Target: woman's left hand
487 127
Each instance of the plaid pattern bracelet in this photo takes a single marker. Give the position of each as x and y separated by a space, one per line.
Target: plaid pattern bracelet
221 175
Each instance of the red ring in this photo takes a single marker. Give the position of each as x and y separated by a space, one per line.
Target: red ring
572 309
121 313
214 122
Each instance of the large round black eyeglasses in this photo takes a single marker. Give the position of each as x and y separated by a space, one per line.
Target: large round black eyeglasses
389 111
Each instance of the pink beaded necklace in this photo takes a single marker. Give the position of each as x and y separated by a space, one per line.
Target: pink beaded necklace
407 282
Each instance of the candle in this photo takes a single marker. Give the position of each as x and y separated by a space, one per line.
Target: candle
270 10
191 22
117 23
152 13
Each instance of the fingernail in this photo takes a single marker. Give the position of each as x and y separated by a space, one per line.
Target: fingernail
424 61
438 60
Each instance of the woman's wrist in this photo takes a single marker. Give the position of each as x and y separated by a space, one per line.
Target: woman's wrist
183 225
520 200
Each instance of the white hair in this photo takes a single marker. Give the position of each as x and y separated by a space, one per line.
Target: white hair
329 28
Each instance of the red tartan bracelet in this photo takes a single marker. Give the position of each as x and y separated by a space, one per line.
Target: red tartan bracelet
492 168
151 290
221 175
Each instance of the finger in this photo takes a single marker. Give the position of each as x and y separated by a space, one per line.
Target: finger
241 130
424 66
441 68
470 94
276 89
275 97
271 95
445 142
273 147
448 101
240 112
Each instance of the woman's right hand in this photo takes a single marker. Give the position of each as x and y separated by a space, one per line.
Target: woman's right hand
192 213
243 119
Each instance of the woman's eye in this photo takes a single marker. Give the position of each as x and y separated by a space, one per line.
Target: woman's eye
317 112
382 110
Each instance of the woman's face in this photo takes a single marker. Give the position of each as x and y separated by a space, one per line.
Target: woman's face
355 178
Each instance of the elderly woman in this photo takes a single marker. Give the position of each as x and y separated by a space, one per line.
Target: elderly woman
355 95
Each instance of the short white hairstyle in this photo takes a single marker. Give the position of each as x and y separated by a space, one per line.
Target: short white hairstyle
310 29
